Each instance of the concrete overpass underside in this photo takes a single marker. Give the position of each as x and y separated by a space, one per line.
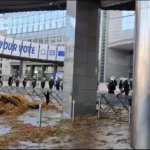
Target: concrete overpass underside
32 59
80 65
35 5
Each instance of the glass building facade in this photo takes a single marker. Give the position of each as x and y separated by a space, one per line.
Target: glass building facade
47 27
128 20
34 25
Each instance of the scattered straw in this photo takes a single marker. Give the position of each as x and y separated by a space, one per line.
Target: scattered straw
75 131
12 104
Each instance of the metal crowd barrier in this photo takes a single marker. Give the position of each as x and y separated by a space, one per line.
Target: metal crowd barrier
33 94
111 102
108 102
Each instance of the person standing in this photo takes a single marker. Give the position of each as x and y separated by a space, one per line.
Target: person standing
51 83
111 86
121 84
17 82
126 87
10 81
58 84
34 82
43 83
1 80
24 82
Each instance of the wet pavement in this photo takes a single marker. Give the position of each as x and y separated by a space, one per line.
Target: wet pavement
107 133
4 129
49 117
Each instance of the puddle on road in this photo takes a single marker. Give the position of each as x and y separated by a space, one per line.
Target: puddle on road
110 136
49 117
107 134
4 129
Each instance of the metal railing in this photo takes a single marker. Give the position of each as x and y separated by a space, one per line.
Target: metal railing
33 94
111 102
107 102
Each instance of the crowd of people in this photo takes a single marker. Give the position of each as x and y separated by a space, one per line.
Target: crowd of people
58 83
125 85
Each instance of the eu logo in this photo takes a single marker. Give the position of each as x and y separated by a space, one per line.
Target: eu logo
51 52
61 53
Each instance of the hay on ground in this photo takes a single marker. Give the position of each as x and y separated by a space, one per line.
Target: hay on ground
13 104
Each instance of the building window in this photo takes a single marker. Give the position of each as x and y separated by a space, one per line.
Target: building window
30 27
0 65
41 40
24 28
14 30
0 71
47 24
64 38
64 22
36 26
128 19
35 40
19 29
30 40
52 39
36 17
41 26
46 40
59 38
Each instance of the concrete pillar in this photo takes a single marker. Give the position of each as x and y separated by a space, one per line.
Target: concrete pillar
81 58
32 69
22 69
43 71
140 133
55 71
55 68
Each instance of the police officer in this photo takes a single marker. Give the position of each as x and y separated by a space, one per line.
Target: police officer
24 81
10 81
17 82
58 83
34 82
121 84
1 80
43 83
115 81
51 83
111 86
47 96
126 87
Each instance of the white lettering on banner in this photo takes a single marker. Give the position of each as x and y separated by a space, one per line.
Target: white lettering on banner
11 47
34 50
8 46
16 48
52 52
2 38
43 51
60 53
25 49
